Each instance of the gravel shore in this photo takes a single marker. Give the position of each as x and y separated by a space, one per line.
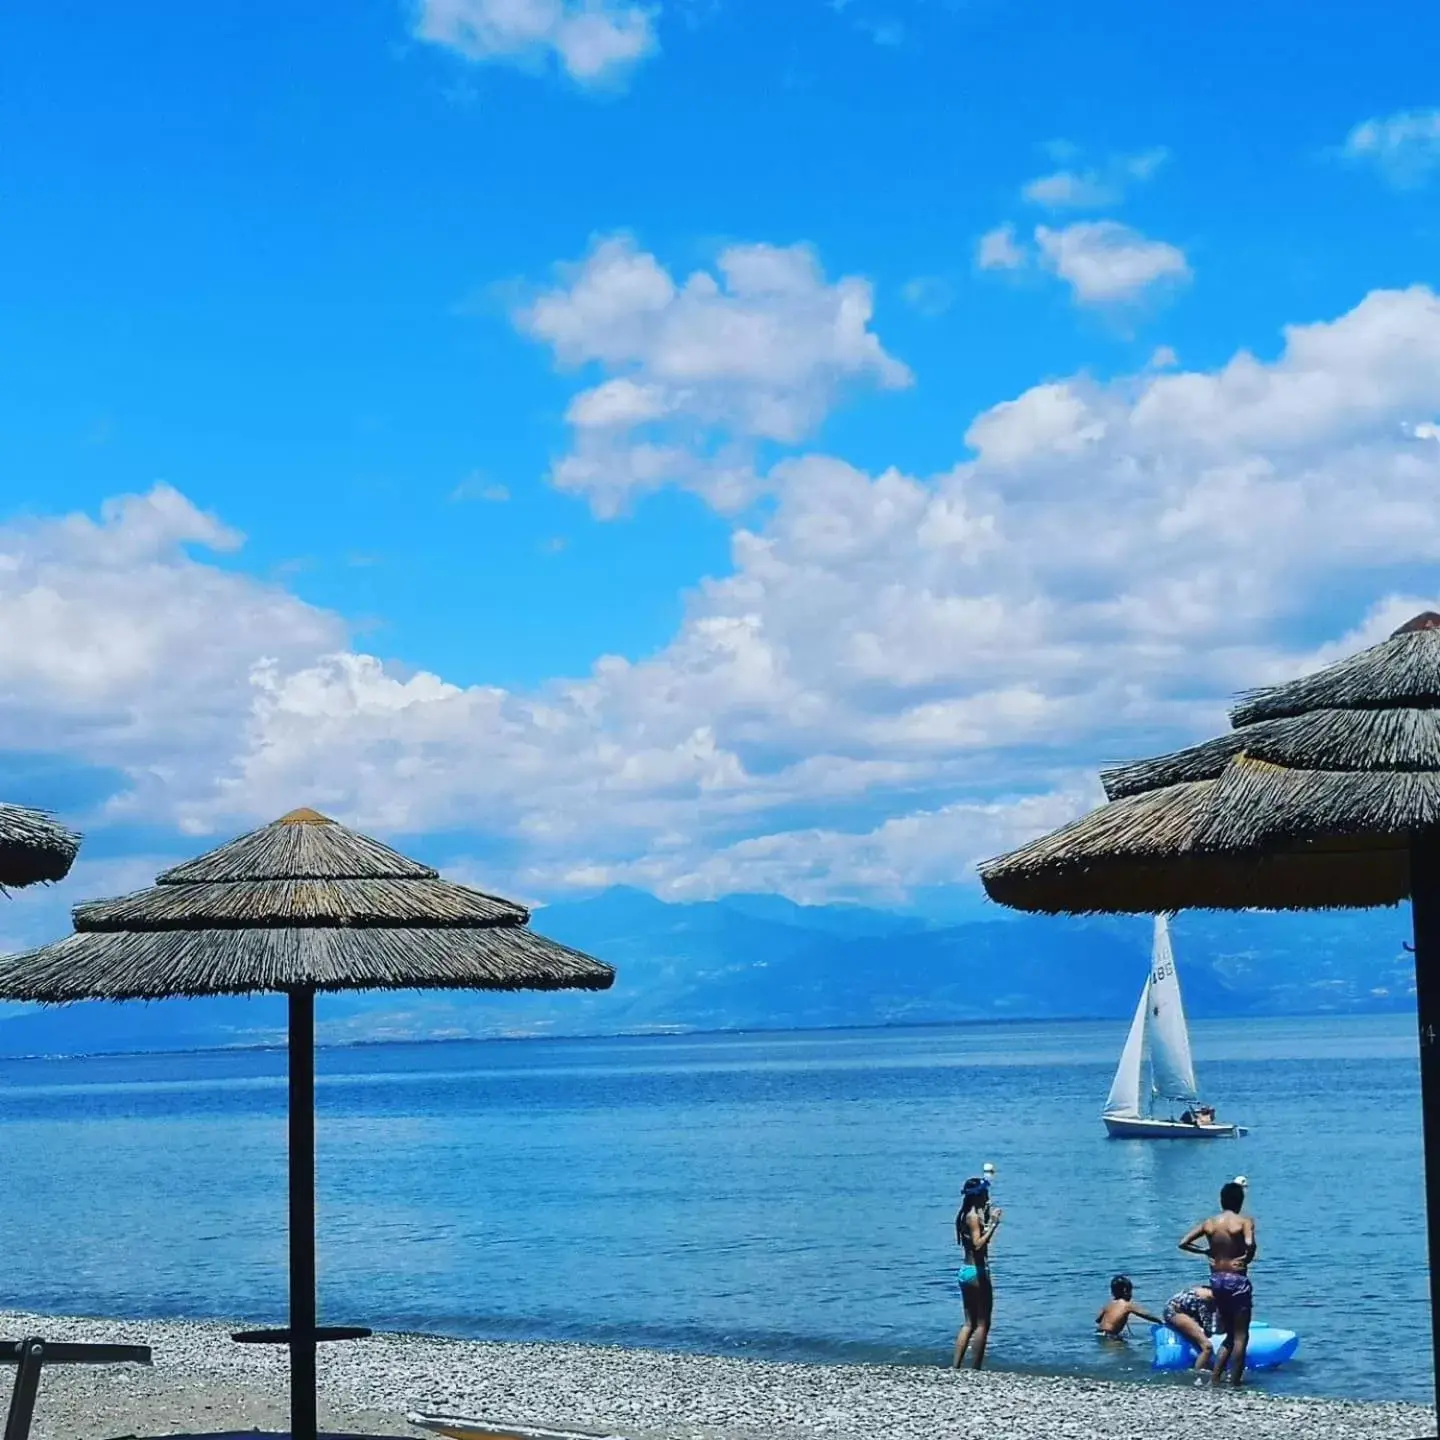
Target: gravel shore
202 1381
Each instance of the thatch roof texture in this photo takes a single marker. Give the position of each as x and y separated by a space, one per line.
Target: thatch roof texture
303 903
1309 802
34 847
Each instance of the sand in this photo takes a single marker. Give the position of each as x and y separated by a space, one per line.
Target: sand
202 1382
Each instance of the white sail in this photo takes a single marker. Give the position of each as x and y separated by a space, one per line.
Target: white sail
1124 1097
1172 1071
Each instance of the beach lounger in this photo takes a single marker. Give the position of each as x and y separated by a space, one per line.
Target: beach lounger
457 1428
31 1356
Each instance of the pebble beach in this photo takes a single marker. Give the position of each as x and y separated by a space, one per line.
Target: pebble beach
203 1382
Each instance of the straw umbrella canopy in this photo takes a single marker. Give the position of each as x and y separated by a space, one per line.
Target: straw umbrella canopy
34 848
300 906
1324 795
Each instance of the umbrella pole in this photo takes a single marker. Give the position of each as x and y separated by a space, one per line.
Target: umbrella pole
1425 914
302 1215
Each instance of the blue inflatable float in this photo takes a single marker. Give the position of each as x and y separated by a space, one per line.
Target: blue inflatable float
1269 1346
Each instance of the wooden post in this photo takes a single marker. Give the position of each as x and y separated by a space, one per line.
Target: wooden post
1425 906
302 1215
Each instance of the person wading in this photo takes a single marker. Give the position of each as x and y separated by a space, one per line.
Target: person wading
1230 1248
975 1227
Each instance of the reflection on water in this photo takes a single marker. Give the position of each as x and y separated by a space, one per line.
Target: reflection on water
788 1195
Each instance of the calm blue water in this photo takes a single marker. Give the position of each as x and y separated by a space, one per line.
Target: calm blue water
778 1195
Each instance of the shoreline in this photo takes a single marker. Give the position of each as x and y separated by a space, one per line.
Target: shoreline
203 1381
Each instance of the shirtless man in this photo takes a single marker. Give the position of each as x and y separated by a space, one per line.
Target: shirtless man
1230 1248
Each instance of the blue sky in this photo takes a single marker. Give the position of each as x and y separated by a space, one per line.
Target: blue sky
334 277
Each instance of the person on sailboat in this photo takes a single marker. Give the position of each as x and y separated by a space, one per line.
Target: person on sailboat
975 1227
1230 1248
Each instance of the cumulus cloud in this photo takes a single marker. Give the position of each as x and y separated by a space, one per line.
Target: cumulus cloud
896 674
886 863
997 250
1096 187
595 42
700 371
1105 262
120 648
1404 148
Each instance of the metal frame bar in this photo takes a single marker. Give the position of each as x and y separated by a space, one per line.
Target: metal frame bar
31 1355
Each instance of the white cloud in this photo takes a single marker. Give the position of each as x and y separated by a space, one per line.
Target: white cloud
928 295
478 487
594 41
997 250
111 630
886 863
1105 262
896 675
1404 147
701 371
1094 188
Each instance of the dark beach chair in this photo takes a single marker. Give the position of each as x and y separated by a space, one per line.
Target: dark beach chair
32 1355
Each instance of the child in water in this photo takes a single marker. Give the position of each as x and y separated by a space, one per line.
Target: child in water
1113 1319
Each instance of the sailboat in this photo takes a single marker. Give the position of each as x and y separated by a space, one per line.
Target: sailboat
1159 1032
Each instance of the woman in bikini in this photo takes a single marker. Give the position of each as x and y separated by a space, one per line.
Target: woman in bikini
975 1226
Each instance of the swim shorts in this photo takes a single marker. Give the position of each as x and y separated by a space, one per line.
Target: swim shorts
1187 1302
1234 1296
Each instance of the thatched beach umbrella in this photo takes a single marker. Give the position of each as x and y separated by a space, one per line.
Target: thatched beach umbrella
33 847
1325 795
299 906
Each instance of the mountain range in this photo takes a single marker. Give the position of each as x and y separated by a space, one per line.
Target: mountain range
762 962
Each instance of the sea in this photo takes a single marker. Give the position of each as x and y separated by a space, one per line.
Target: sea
787 1196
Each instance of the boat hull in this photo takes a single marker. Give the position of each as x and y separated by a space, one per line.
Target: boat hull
1138 1127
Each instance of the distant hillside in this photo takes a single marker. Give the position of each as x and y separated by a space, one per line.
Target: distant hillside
750 962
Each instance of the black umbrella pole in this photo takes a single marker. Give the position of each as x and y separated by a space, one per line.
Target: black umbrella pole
302 1215
1425 904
